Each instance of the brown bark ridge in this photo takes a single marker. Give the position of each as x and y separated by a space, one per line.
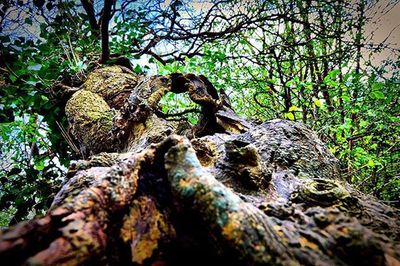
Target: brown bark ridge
223 192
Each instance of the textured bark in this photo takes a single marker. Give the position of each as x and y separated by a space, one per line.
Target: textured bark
225 191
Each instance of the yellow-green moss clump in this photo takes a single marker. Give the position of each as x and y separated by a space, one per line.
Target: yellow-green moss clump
90 119
112 83
90 110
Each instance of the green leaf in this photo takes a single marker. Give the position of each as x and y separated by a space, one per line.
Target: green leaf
317 102
220 55
371 163
377 86
378 95
346 98
44 98
293 108
39 165
13 78
289 116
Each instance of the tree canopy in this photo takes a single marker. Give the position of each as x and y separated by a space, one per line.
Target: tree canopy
307 61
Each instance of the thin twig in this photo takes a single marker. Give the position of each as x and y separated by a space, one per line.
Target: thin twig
68 139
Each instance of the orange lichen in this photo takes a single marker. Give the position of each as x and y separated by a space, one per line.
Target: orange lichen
278 230
343 230
186 182
230 230
144 228
304 242
391 261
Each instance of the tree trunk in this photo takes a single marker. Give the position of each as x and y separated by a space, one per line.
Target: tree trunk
225 191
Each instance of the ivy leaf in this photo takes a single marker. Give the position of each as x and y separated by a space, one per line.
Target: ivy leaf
138 69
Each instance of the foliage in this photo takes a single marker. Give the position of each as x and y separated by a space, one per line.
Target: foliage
34 153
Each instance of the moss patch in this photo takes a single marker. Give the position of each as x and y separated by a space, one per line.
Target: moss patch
90 118
112 84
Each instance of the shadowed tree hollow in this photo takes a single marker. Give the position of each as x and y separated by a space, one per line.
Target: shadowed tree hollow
154 190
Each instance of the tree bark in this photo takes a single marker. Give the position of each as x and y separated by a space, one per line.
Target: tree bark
225 191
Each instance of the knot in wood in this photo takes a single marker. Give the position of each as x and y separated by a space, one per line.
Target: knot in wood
320 192
245 161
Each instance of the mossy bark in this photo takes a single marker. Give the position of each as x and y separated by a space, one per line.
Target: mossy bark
225 191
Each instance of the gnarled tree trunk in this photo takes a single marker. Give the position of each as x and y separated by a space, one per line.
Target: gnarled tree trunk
225 191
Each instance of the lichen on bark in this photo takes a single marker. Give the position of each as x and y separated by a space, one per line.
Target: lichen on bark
234 192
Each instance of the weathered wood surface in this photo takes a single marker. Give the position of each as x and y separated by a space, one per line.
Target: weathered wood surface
225 191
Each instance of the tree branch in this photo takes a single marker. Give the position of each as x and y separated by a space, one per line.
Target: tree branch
88 6
105 19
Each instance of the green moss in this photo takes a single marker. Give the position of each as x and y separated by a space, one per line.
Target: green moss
90 118
109 82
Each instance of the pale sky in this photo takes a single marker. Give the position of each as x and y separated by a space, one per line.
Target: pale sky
388 24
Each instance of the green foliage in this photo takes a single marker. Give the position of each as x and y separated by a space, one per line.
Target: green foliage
34 153
30 173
